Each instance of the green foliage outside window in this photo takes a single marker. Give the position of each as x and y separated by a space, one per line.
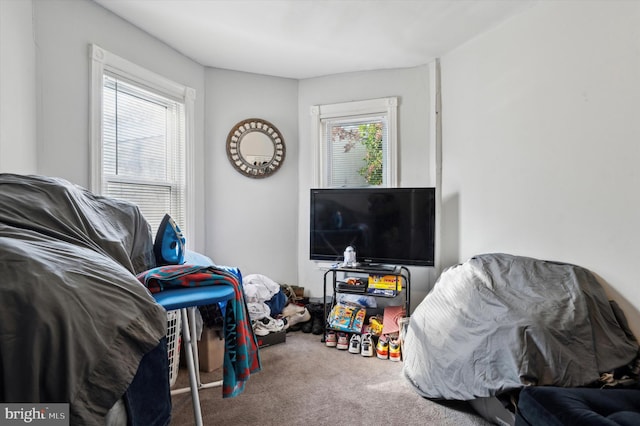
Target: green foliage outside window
371 138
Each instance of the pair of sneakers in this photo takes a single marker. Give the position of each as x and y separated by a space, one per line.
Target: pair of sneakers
338 340
362 345
388 348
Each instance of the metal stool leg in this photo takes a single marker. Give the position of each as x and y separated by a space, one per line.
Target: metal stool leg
190 356
194 348
217 383
194 343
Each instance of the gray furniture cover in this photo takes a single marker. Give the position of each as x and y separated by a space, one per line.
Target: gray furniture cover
74 320
498 322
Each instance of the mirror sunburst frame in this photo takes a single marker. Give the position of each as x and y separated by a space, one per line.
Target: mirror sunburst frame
255 148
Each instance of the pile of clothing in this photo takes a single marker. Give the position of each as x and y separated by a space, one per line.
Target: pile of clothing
272 308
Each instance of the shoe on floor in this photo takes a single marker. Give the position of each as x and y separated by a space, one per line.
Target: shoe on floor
354 344
317 317
394 350
292 309
366 345
330 339
258 330
267 325
298 317
382 348
317 325
307 327
343 341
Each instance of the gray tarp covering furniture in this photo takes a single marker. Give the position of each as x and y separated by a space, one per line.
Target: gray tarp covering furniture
498 322
74 320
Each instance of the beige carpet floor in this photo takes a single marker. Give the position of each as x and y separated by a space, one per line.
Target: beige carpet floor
303 382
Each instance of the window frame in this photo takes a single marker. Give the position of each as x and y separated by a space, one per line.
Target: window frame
104 61
386 107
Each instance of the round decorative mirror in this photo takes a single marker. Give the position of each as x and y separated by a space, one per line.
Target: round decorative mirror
255 148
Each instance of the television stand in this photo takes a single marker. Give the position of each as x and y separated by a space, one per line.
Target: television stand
386 281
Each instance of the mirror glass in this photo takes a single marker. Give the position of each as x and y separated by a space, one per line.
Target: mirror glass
255 148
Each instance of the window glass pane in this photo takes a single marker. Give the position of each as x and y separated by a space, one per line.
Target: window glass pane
135 129
153 200
356 152
143 149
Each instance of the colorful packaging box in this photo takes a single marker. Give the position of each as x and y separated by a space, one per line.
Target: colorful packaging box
381 292
385 282
347 318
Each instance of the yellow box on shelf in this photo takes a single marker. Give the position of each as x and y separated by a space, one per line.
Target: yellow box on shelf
385 282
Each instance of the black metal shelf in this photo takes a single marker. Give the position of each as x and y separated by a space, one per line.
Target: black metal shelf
403 280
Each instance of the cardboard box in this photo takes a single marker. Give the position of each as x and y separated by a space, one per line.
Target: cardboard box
298 291
385 282
272 338
211 350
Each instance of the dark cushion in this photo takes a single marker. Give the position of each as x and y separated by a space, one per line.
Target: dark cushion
554 406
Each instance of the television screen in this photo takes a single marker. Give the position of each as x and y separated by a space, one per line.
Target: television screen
385 225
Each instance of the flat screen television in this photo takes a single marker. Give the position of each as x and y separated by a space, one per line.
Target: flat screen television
386 226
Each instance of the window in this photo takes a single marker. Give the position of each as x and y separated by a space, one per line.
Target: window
140 138
356 143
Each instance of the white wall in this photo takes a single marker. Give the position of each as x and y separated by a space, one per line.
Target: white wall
416 162
251 223
17 88
541 142
64 29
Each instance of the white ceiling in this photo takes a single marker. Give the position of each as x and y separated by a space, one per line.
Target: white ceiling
310 38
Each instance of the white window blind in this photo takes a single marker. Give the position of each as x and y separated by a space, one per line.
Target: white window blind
143 144
356 151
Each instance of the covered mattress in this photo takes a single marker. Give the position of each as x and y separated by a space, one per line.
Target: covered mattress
498 322
74 320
